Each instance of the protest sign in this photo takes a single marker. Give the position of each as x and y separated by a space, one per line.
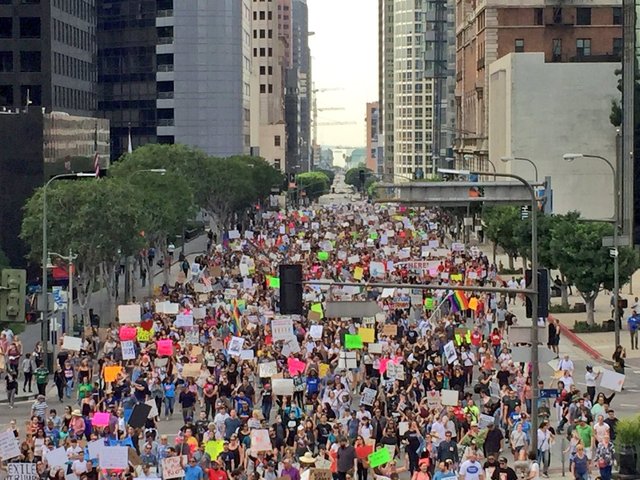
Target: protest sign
282 386
390 330
214 448
164 348
72 343
316 331
320 474
375 348
127 333
9 447
260 441
368 335
199 313
184 320
268 369
449 397
368 397
450 352
128 350
22 471
94 448
171 468
352 342
55 458
114 457
281 329
347 360
612 380
191 370
129 313
235 346
101 419
111 372
379 457
364 451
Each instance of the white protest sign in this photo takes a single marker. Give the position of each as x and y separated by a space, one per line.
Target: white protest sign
449 397
368 397
22 471
403 427
268 369
128 351
72 343
234 234
316 331
260 441
183 320
247 354
347 360
450 352
375 348
129 313
171 468
281 329
9 447
612 380
153 413
199 313
114 457
55 458
235 346
95 447
282 386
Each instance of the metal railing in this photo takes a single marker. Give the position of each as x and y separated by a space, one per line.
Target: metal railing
165 122
165 68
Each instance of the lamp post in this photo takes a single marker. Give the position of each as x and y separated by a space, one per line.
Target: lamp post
522 159
535 368
127 266
69 259
570 157
45 333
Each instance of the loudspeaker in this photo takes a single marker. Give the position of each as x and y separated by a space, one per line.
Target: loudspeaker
543 293
291 289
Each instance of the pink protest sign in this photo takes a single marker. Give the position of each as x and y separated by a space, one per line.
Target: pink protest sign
164 348
128 333
295 366
100 419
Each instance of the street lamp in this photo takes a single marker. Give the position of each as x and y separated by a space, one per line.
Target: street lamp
45 333
469 157
521 159
570 157
535 368
69 259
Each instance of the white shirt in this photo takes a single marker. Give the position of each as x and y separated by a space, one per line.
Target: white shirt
590 379
565 365
471 470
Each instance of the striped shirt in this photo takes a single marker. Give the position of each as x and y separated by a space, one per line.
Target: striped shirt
39 409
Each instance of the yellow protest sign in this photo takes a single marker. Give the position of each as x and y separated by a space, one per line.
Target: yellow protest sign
473 303
357 273
143 335
368 335
317 307
111 373
214 448
323 370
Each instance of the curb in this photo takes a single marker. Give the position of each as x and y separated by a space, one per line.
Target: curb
579 342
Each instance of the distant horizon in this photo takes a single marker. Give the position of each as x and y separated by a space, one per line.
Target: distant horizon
349 64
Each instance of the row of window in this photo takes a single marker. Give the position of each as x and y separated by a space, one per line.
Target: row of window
74 99
262 15
72 36
264 52
412 100
263 33
29 62
30 27
410 88
31 94
583 47
266 70
266 88
73 68
78 8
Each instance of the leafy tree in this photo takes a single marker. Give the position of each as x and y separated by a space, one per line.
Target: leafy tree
313 183
503 226
352 177
578 253
97 220
264 177
331 175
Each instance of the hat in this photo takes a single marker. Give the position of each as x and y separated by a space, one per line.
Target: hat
474 424
41 397
589 366
307 458
76 413
502 460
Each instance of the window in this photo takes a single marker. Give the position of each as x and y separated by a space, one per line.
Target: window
269 15
583 16
261 15
617 47
263 70
557 14
263 33
276 140
263 88
6 95
270 89
30 27
255 33
30 61
6 27
519 44
6 62
556 50
270 52
583 47
617 15
262 51
538 16
270 70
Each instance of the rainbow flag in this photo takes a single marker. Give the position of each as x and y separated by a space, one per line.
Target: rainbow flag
235 313
459 301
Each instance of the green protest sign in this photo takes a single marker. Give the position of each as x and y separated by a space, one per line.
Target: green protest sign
274 282
379 457
323 256
429 303
352 342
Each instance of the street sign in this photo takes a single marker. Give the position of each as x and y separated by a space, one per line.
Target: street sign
623 241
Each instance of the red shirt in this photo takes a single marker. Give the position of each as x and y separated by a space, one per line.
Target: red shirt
217 474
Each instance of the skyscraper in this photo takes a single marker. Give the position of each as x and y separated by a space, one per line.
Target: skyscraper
47 54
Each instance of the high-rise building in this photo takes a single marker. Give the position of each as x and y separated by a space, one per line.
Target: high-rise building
298 91
47 51
201 61
582 31
415 84
267 89
372 120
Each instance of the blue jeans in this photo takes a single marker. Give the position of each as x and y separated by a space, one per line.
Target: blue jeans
266 410
581 476
605 472
169 402
68 388
544 459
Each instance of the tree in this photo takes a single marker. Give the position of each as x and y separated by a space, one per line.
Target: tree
97 220
314 184
578 253
331 175
352 177
503 226
263 176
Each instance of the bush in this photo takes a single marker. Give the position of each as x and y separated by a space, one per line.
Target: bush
628 432
584 327
559 309
508 271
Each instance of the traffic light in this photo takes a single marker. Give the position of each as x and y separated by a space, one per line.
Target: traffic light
543 293
291 289
362 177
12 295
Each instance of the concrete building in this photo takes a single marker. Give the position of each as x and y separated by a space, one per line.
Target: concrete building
372 120
47 52
268 66
298 91
200 64
284 30
576 31
541 110
415 73
58 143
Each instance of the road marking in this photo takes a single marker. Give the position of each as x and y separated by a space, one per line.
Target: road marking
627 405
636 371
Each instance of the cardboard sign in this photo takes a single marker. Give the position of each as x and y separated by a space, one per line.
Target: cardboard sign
9 446
320 474
316 331
379 457
128 350
348 360
72 343
171 468
191 370
390 330
260 441
154 408
449 397
282 386
368 335
129 313
114 457
22 471
127 333
95 447
199 313
183 320
214 448
100 419
268 369
375 348
111 372
55 458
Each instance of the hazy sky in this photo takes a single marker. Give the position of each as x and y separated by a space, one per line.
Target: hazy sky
344 53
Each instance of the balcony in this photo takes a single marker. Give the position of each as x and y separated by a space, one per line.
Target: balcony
164 41
165 68
165 122
165 95
164 13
